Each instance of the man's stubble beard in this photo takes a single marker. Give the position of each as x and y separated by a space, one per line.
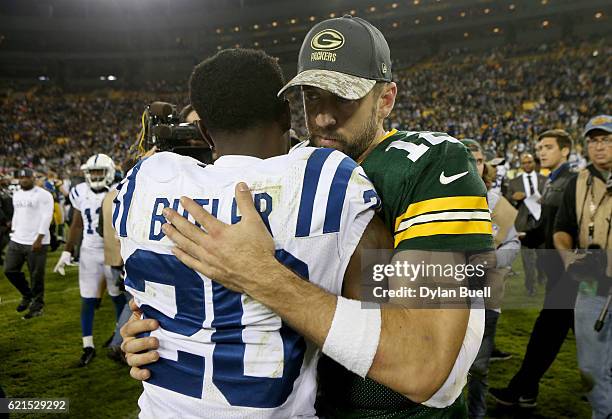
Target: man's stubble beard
364 137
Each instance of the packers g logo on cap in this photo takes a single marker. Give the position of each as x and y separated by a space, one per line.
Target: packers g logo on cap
327 40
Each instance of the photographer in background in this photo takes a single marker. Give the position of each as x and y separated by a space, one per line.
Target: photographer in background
584 222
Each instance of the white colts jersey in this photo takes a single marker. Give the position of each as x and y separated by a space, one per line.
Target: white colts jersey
222 354
90 204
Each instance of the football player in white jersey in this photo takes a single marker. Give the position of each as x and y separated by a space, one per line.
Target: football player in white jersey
221 353
86 198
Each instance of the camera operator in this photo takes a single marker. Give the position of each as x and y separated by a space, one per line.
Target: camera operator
584 222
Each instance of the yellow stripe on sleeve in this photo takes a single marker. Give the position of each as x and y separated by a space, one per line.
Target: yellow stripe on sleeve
443 204
449 227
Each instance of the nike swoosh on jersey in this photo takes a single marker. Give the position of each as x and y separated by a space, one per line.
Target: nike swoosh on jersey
444 180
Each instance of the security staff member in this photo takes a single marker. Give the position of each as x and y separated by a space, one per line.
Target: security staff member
584 221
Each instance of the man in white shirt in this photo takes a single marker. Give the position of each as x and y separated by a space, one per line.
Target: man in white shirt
30 237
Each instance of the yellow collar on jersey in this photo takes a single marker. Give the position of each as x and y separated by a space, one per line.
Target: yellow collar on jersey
375 144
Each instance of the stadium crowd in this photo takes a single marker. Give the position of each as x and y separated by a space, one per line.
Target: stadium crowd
503 99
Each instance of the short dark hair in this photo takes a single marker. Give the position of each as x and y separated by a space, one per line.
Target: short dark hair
236 89
564 140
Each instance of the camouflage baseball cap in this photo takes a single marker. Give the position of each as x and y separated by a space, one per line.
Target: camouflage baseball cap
345 56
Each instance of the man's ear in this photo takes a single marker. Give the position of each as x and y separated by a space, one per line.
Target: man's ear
565 152
387 100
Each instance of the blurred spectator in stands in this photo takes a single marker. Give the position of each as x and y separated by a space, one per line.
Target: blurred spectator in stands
576 160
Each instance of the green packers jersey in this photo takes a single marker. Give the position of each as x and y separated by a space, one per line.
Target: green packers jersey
432 196
432 199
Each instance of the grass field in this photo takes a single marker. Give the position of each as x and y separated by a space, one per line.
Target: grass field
38 357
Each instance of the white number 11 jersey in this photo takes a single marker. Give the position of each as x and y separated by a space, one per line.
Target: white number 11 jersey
222 354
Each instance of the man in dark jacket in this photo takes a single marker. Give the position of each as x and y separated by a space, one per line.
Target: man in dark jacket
557 316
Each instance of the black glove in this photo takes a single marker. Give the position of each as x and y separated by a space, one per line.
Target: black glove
120 272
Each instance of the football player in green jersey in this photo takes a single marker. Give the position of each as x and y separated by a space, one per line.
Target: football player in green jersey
433 200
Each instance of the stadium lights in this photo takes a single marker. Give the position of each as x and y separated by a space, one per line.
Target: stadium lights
256 26
598 15
43 78
512 7
372 9
255 44
395 24
218 30
332 14
462 14
293 21
352 12
487 11
496 30
312 18
237 45
275 41
236 28
102 78
416 2
111 78
417 21
274 24
466 34
545 23
439 18
544 2
394 6
219 47
595 53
